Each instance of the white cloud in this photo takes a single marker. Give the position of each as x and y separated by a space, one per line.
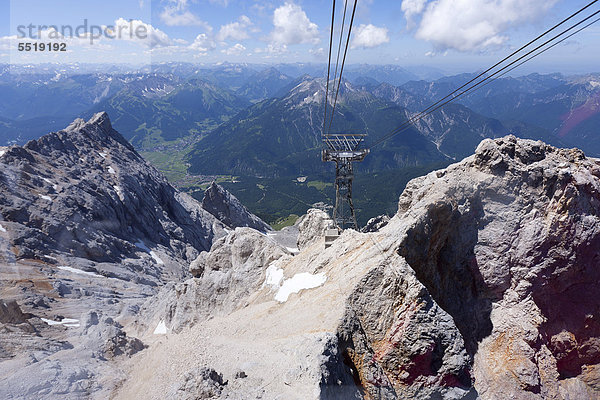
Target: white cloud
172 17
138 31
292 26
272 49
320 52
203 44
236 49
7 41
369 36
236 30
412 8
177 14
470 25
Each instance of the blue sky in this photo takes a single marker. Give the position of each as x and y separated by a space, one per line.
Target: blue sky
454 35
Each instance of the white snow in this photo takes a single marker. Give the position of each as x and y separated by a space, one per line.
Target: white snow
103 155
299 282
594 84
68 322
111 170
161 328
79 271
2 153
293 250
45 197
274 275
301 179
47 180
2 229
55 187
156 258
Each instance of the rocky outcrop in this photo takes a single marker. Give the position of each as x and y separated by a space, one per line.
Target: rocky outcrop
375 223
202 383
312 227
228 209
508 243
483 285
235 268
10 313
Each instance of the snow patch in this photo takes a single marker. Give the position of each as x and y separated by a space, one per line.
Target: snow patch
111 170
156 258
2 152
161 328
103 155
80 271
47 180
293 250
299 282
45 197
274 275
594 84
2 229
68 322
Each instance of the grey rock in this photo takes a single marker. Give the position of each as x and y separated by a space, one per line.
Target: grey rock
312 227
108 337
224 277
10 313
240 374
201 383
376 223
228 209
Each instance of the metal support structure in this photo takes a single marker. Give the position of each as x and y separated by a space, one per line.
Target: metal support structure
343 149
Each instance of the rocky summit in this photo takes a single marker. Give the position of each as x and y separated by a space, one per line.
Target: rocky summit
483 285
88 232
228 209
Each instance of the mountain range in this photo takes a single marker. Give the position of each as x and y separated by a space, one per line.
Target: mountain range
264 121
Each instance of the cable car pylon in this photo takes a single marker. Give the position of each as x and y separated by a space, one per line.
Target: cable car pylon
344 149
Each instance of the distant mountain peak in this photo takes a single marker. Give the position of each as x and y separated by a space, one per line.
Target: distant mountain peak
229 210
99 119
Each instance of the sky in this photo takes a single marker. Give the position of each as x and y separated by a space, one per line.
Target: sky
453 35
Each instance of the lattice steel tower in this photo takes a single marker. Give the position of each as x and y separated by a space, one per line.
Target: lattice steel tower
344 149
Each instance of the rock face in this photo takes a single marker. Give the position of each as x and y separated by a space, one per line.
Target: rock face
508 243
85 192
483 285
228 209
